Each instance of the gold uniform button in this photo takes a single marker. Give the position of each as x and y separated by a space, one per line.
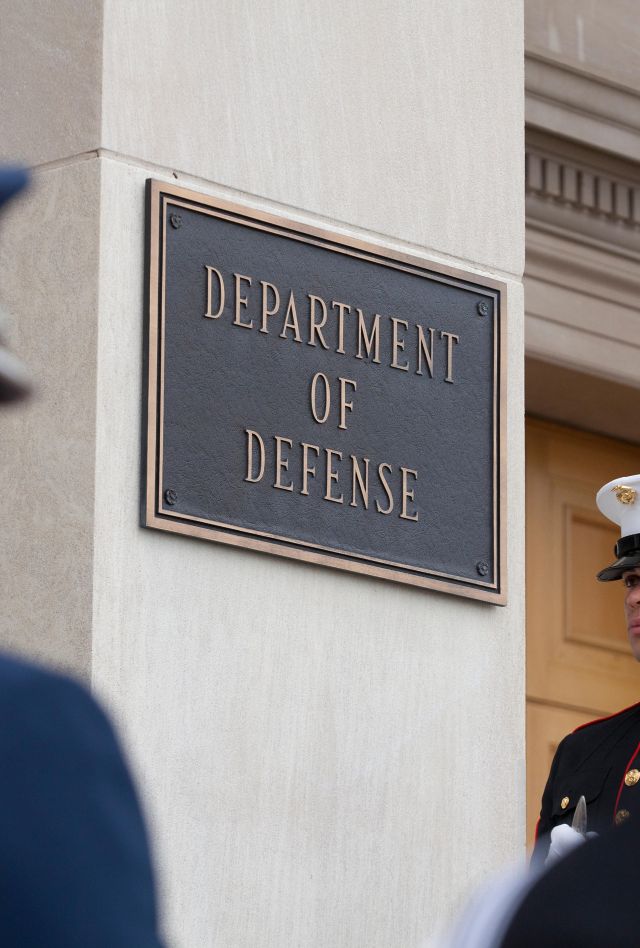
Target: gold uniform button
631 778
564 803
622 816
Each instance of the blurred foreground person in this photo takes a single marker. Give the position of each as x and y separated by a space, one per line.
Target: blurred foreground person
75 869
586 899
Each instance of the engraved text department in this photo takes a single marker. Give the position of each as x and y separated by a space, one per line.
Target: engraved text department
346 329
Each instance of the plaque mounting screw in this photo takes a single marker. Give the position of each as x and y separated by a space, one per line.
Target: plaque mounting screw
175 220
483 308
482 568
171 497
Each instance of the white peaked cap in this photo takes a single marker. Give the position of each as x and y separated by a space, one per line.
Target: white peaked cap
619 501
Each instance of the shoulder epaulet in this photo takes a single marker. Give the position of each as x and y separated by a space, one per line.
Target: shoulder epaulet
606 717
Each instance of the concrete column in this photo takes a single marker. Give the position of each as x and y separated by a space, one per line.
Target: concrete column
328 760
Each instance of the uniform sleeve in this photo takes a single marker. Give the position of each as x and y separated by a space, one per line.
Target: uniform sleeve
75 869
545 824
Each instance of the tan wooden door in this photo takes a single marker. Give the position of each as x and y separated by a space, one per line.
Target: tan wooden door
578 663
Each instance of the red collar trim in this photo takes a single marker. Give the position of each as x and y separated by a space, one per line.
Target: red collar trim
607 717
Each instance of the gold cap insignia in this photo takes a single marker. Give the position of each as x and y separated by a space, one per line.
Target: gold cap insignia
626 495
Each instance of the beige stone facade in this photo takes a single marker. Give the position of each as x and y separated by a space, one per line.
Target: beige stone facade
583 202
307 742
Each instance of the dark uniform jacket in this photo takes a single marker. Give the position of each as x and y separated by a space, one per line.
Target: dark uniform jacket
75 870
600 761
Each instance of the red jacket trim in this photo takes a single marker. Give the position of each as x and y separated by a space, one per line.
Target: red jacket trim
606 717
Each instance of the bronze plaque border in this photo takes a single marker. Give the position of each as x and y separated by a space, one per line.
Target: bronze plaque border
155 514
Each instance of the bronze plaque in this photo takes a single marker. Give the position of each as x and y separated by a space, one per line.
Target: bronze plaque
318 397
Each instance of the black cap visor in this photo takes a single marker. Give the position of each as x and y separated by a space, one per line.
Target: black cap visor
617 569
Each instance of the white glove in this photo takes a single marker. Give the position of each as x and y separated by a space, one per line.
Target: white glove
564 839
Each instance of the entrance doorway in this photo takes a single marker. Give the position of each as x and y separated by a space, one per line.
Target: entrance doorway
578 662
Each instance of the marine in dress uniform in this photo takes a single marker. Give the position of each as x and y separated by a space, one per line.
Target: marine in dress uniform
601 760
585 895
75 868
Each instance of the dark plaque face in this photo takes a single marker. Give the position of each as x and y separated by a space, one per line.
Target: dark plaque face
319 398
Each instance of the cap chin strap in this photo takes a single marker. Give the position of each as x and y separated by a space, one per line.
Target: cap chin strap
626 546
627 551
